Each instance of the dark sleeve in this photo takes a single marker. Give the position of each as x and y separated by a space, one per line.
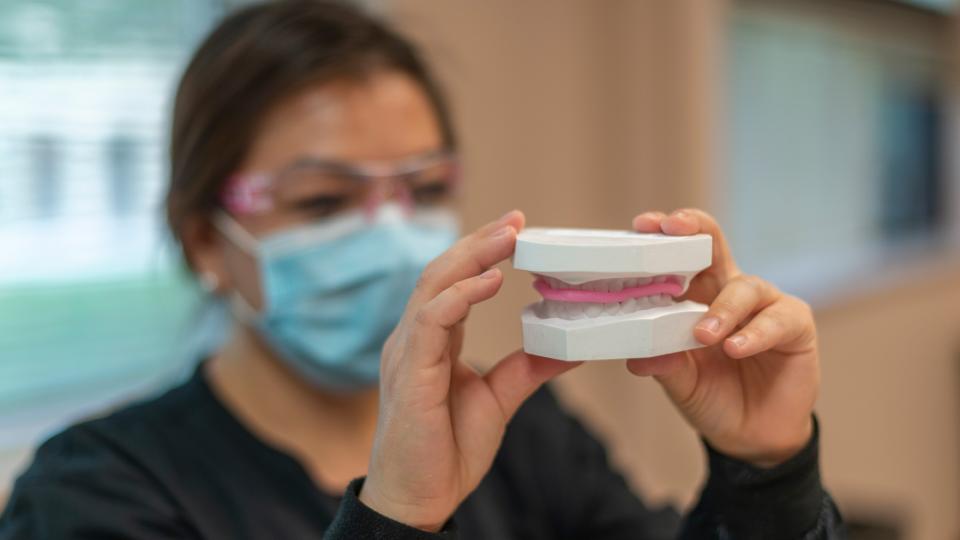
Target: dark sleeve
77 489
560 483
745 502
738 501
552 478
356 520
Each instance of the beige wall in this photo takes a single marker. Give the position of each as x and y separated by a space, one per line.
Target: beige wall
584 113
891 399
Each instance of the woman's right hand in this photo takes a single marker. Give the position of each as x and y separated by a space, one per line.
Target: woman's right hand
441 423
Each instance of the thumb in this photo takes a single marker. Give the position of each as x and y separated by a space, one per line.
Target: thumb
519 375
676 373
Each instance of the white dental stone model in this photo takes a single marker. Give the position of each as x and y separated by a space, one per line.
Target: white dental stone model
610 294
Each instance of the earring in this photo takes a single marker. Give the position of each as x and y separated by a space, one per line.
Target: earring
209 282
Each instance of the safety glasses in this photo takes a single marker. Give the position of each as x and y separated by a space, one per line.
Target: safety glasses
311 189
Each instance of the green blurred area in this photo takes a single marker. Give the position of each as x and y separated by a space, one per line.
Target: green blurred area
87 335
69 337
74 29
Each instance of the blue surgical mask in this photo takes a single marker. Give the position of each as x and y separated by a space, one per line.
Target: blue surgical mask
334 291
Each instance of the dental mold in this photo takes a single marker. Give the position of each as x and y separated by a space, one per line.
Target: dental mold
610 294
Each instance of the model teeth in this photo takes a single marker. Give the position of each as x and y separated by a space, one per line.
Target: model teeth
573 310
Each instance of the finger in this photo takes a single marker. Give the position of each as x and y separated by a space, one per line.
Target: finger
648 222
518 375
689 221
514 218
469 257
456 338
657 365
432 323
740 298
785 325
676 373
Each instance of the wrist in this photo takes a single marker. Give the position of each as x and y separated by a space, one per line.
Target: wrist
772 451
784 501
412 515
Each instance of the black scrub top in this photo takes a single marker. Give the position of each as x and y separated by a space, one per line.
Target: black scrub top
181 466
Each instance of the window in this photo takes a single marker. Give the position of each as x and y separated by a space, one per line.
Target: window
837 114
92 301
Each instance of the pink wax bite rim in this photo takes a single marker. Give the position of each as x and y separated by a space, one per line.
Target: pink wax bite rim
671 287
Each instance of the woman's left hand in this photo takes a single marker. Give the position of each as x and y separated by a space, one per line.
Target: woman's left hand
750 392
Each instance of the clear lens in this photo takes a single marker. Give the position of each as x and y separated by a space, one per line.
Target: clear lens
316 189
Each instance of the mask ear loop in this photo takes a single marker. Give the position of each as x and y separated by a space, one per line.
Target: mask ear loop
229 228
242 311
232 230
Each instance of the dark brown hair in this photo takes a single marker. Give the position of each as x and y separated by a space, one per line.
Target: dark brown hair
252 60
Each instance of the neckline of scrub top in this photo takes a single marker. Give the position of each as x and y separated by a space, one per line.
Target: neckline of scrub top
265 449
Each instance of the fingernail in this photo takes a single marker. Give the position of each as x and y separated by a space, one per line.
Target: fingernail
739 340
710 324
680 214
502 231
489 274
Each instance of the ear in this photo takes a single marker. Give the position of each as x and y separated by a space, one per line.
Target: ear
203 246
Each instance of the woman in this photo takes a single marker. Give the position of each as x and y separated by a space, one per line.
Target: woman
313 166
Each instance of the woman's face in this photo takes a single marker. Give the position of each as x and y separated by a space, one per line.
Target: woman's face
384 118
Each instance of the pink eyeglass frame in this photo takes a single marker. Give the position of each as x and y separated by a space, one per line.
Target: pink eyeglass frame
250 193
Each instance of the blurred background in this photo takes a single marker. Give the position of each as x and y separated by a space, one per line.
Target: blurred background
823 134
